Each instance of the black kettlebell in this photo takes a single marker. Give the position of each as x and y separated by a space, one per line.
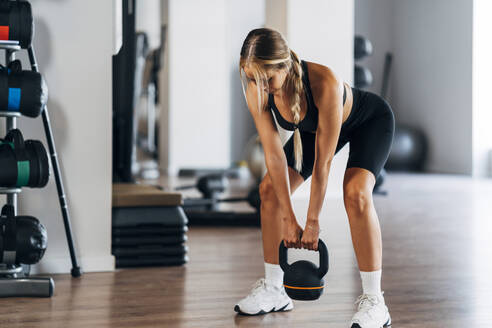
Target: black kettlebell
302 279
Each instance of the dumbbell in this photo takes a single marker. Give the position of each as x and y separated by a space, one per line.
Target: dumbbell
362 47
23 239
16 22
362 76
211 186
23 164
253 198
22 91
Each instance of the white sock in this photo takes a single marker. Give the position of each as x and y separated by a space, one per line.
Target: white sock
274 275
371 282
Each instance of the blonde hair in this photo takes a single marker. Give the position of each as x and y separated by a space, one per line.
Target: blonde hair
265 49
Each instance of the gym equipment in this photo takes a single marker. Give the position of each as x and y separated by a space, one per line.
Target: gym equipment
205 210
148 114
149 217
143 250
23 239
362 47
21 91
149 240
151 261
16 25
24 164
222 218
255 156
165 231
362 77
386 74
384 89
76 271
302 279
16 22
379 182
380 178
409 149
211 185
124 75
149 226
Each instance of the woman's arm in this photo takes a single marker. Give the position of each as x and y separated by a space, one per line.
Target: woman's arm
275 160
329 124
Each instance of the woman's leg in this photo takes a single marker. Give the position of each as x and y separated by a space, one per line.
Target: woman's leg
270 220
268 294
358 184
370 146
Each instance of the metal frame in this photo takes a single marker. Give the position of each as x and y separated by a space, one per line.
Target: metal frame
14 280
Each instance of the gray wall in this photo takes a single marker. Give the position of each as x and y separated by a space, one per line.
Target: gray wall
373 20
431 81
433 77
482 102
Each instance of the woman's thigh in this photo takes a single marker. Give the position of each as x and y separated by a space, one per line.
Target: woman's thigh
370 143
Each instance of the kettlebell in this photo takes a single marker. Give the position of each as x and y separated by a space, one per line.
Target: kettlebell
302 279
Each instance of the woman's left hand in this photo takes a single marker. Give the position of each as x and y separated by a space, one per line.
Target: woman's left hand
310 235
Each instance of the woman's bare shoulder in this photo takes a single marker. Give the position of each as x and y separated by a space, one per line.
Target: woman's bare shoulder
322 79
321 75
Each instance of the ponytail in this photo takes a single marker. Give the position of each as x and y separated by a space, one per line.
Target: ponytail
296 89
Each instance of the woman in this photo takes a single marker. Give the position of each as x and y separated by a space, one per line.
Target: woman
325 113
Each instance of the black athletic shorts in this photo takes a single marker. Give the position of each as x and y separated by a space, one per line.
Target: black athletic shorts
369 130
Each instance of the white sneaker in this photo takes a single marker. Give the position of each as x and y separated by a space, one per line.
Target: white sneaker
372 312
264 298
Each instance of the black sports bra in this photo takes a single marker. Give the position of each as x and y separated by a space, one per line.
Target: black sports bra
310 121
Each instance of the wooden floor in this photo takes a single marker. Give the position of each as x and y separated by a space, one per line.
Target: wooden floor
437 270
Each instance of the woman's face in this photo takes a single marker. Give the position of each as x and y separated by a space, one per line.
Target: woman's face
275 79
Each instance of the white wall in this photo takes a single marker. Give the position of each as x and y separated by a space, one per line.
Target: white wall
482 103
198 115
242 16
223 119
321 32
75 59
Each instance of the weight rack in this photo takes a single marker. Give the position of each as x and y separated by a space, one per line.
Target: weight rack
14 279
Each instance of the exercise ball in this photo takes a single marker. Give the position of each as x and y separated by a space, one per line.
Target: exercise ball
255 157
362 47
409 149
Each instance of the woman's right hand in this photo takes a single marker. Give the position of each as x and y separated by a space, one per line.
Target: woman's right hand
292 233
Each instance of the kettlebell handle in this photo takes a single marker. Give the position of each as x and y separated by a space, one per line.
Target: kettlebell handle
323 258
282 256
